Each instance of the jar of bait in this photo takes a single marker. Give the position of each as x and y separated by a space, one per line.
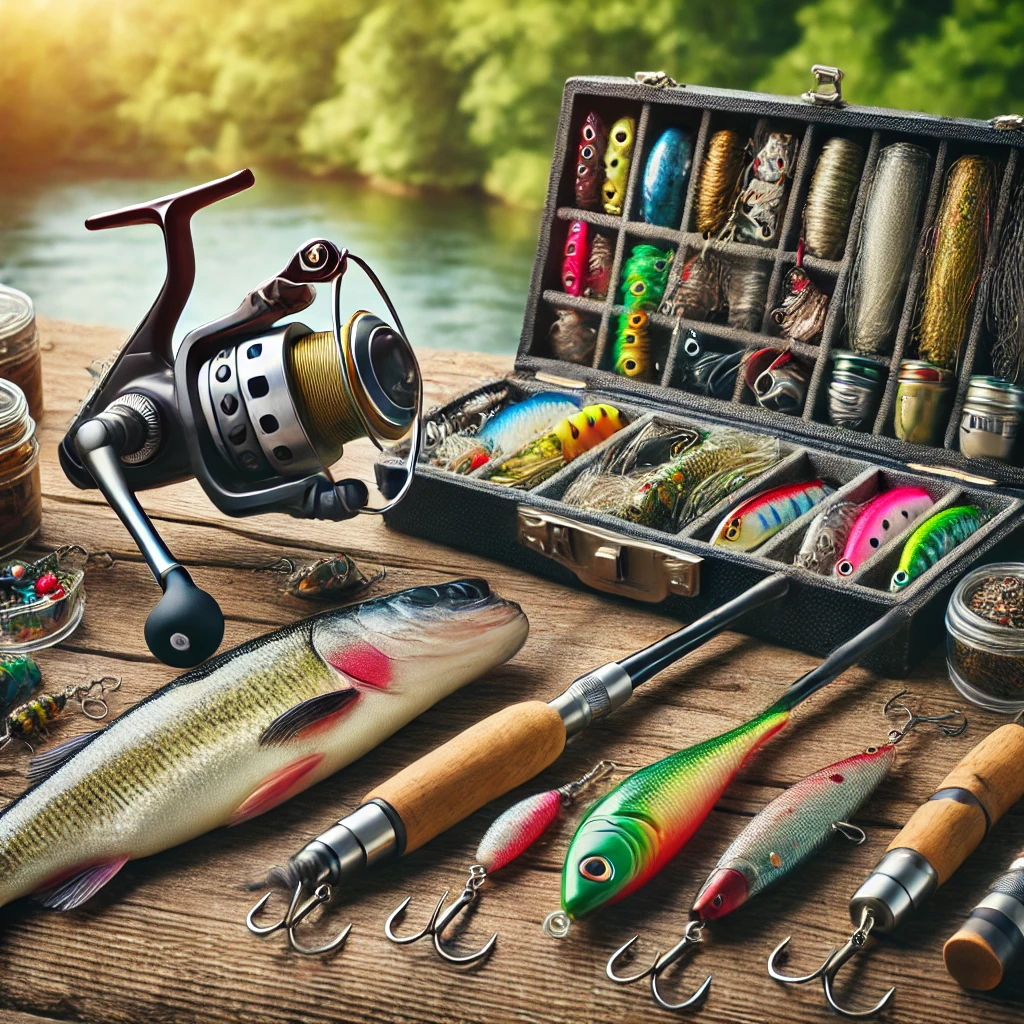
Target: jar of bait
21 498
19 347
923 399
990 422
985 636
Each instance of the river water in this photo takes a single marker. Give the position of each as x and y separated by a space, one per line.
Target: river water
457 267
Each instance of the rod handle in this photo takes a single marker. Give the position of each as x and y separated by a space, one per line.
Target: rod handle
480 764
947 828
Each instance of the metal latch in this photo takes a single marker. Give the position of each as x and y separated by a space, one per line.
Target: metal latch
829 92
656 79
609 562
1007 123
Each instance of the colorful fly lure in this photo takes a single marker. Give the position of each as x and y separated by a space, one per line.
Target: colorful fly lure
645 276
19 676
577 258
632 351
883 517
618 156
30 720
665 177
470 414
933 540
589 160
761 516
760 204
572 338
599 266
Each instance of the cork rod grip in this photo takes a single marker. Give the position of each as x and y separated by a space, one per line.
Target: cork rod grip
946 829
480 764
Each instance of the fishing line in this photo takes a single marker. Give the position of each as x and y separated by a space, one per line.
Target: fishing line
746 289
720 177
830 198
1006 304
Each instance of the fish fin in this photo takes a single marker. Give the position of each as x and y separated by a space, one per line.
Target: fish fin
312 712
277 787
42 766
80 887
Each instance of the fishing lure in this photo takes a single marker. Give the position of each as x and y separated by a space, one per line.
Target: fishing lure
571 338
825 538
577 258
884 516
698 291
645 276
618 156
761 516
630 834
331 578
599 267
759 206
745 293
720 176
19 676
830 198
589 160
632 352
933 540
804 308
471 414
567 440
665 177
1006 303
511 834
954 261
30 720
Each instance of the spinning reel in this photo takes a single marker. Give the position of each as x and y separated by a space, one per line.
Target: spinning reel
255 412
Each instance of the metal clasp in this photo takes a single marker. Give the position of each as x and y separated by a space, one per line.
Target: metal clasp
829 92
656 79
609 562
1007 123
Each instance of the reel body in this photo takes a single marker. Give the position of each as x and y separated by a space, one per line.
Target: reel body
255 410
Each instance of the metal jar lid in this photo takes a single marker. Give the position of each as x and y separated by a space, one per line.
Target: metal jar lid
994 392
15 422
918 371
17 320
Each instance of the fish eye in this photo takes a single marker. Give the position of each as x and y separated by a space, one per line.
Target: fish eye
636 319
596 869
659 265
620 137
717 901
871 750
638 288
588 133
581 170
587 152
570 249
630 366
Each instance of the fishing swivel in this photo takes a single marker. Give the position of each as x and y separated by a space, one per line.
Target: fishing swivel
691 938
30 720
298 911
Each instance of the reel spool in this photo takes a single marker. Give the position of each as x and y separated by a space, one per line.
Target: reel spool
257 412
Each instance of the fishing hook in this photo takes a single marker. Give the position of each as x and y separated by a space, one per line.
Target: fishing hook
914 720
439 921
294 916
691 937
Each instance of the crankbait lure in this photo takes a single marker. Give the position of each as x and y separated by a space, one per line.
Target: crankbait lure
589 161
804 308
618 156
825 538
761 516
572 338
830 198
645 276
19 676
759 207
882 518
933 540
471 414
567 440
30 720
244 732
632 352
665 178
332 578
698 291
720 176
599 267
577 257
629 835
511 834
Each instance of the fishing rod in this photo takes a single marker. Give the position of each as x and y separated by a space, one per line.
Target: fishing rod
482 763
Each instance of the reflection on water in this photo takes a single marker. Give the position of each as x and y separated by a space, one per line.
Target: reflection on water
457 267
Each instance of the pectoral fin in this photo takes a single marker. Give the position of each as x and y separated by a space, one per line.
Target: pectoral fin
75 890
276 788
317 712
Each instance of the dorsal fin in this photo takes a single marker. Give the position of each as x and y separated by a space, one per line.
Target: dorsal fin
42 766
312 712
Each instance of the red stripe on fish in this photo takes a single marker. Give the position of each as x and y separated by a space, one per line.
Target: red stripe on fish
276 788
363 663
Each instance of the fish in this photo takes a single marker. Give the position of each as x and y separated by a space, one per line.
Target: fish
883 517
762 515
19 676
571 338
599 268
790 830
244 732
618 156
665 177
825 538
632 352
933 540
645 276
567 440
589 160
576 263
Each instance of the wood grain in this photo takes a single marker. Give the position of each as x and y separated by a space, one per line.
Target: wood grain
166 942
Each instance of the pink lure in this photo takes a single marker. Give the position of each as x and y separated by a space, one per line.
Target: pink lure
883 517
517 829
576 265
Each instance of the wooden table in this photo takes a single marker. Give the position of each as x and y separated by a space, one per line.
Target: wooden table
166 940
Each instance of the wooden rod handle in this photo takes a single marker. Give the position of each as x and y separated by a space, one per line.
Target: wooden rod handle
480 764
946 829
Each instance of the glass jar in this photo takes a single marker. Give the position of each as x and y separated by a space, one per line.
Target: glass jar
985 643
990 423
923 400
21 498
19 347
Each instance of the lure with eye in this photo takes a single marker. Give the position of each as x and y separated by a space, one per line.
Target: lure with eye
589 161
935 538
759 206
618 156
825 538
19 676
576 262
633 346
761 516
645 276
30 720
884 516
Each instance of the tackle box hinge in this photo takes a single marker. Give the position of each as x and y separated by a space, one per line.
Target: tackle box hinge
609 562
655 79
828 92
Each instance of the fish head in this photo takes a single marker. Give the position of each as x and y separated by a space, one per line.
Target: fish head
724 890
733 530
461 628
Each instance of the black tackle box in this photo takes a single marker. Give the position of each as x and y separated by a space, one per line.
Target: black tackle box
683 574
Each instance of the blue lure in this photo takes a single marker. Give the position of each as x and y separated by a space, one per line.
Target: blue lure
19 676
665 178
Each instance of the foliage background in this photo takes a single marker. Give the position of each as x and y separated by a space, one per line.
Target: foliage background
444 93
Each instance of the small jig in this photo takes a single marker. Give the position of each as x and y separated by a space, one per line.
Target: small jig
30 720
332 578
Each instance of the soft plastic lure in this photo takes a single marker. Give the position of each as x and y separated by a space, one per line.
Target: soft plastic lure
665 177
618 156
19 676
567 440
576 261
633 346
883 517
645 276
933 540
589 159
825 538
761 516
629 835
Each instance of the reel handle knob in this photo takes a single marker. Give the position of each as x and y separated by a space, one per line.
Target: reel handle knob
187 625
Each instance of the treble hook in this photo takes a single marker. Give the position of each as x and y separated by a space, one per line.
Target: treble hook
439 921
85 697
294 916
834 962
914 720
691 937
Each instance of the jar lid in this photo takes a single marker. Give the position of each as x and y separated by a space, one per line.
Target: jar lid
13 405
996 391
919 370
17 316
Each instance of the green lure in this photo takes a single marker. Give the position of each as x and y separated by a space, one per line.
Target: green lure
933 540
19 676
645 276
